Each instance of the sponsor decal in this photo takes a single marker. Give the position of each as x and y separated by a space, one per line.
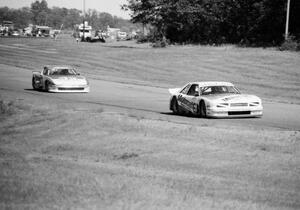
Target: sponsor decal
195 108
190 105
230 98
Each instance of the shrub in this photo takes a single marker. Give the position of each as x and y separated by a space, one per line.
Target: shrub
155 37
143 39
290 44
160 44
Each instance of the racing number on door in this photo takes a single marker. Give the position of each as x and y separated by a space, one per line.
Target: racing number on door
188 105
187 98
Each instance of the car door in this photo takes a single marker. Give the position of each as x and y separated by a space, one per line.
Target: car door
182 95
44 75
38 79
192 98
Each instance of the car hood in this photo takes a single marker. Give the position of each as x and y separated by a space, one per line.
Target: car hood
69 80
232 98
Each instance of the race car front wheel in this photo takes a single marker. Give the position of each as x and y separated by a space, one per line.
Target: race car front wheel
202 109
47 86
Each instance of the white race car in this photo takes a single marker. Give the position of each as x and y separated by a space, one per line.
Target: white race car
214 99
59 79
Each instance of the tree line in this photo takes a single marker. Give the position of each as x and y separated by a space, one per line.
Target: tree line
249 22
40 14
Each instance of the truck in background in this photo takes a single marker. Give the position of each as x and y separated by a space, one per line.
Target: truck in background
85 31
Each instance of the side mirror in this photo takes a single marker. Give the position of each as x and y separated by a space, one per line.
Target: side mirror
78 73
196 94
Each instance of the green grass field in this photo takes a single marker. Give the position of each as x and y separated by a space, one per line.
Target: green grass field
76 156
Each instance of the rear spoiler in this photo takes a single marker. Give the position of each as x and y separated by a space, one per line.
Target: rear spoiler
36 72
174 91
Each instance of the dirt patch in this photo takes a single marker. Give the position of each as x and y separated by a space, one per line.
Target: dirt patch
126 156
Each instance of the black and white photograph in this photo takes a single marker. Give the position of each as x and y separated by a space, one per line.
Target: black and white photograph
150 104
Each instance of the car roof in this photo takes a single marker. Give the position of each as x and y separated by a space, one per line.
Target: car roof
58 66
212 83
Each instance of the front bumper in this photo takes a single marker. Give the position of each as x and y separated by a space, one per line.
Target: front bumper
214 112
69 89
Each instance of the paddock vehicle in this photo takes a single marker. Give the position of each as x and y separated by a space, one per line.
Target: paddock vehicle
84 31
59 79
214 99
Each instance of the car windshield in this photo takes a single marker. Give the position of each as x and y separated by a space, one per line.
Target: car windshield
62 71
219 90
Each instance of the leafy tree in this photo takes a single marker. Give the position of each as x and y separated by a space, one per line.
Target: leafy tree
149 11
56 17
105 19
22 17
295 18
39 11
40 14
5 14
73 18
271 23
251 22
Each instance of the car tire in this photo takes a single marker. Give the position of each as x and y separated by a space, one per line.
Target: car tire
34 86
175 107
202 109
47 86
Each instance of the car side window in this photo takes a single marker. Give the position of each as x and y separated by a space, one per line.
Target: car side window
193 90
185 89
45 72
206 91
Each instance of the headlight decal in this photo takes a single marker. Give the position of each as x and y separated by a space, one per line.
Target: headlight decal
50 82
222 105
254 103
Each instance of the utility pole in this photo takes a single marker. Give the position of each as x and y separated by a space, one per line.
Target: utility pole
286 36
83 38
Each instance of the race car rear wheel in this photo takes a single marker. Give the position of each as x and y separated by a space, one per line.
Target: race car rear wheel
174 106
202 109
34 85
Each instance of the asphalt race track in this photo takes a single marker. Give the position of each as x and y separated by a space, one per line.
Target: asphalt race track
153 101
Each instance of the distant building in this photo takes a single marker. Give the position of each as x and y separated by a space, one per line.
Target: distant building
28 30
6 28
41 31
85 31
8 24
113 32
116 34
